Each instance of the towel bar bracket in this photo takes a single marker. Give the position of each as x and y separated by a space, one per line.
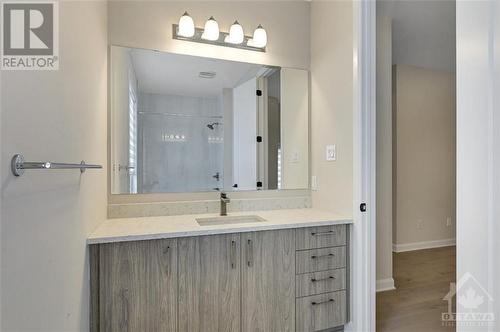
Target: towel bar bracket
19 165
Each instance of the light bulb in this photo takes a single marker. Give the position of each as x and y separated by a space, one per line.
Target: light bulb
259 38
236 35
186 26
211 31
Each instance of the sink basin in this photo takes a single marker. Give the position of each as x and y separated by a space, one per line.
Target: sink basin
228 220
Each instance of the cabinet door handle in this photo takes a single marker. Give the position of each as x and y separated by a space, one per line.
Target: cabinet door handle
249 252
232 254
322 279
322 302
322 233
322 256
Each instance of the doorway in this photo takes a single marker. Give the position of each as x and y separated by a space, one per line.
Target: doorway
416 167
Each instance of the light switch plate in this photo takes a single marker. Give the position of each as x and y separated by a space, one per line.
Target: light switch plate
331 152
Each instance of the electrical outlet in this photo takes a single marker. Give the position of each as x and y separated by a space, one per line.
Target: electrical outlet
448 222
314 182
420 224
331 152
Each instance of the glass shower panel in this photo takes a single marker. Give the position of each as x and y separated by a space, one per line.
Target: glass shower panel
180 152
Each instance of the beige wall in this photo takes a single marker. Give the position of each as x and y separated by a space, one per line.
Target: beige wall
425 115
134 24
384 153
332 103
47 215
294 128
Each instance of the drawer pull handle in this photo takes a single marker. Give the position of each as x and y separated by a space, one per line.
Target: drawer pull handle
323 302
322 279
322 233
233 254
322 256
249 253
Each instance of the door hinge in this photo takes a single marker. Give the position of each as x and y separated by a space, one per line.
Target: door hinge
259 184
362 207
258 92
259 139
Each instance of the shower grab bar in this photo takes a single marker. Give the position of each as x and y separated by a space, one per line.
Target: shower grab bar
18 165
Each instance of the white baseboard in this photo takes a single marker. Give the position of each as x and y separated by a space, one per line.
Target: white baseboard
385 285
423 245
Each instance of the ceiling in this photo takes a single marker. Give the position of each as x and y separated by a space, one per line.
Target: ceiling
423 32
176 74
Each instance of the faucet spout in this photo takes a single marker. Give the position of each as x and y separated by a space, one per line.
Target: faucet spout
224 200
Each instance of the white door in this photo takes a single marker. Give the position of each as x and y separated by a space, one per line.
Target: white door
245 134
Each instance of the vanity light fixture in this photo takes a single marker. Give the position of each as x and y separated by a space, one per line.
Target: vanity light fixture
211 31
236 35
210 34
259 37
186 26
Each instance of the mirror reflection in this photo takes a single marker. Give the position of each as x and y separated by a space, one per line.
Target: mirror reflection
182 123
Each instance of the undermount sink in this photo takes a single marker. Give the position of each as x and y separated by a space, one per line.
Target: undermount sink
228 220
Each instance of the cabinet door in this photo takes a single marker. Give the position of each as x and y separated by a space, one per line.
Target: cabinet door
268 281
209 283
138 286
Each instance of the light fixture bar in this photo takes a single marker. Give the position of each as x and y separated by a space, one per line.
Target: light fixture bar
219 42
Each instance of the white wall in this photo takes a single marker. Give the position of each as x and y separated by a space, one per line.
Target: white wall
384 154
478 152
332 103
47 215
424 172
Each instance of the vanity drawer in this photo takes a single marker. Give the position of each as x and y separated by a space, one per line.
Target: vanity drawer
320 282
320 312
320 237
320 259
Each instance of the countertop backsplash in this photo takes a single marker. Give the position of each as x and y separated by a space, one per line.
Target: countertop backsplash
155 209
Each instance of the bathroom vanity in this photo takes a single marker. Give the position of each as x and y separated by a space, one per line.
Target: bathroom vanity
288 271
185 124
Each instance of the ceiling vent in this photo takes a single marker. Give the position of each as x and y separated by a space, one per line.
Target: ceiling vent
207 74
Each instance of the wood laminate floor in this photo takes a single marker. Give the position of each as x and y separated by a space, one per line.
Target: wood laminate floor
422 279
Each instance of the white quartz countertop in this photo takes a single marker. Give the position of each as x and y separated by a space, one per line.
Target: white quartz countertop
149 228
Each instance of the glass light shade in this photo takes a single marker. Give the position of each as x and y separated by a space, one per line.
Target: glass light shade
211 31
259 37
186 26
236 35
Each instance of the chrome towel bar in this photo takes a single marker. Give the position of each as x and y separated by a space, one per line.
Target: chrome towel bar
18 165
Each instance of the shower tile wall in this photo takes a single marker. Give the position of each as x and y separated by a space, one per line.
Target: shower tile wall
177 152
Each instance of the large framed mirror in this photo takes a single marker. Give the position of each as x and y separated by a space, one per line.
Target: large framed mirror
182 123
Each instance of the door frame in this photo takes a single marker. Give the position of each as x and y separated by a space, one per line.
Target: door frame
364 149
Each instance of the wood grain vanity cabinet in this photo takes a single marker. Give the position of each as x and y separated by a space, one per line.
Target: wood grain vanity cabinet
137 286
209 283
269 281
